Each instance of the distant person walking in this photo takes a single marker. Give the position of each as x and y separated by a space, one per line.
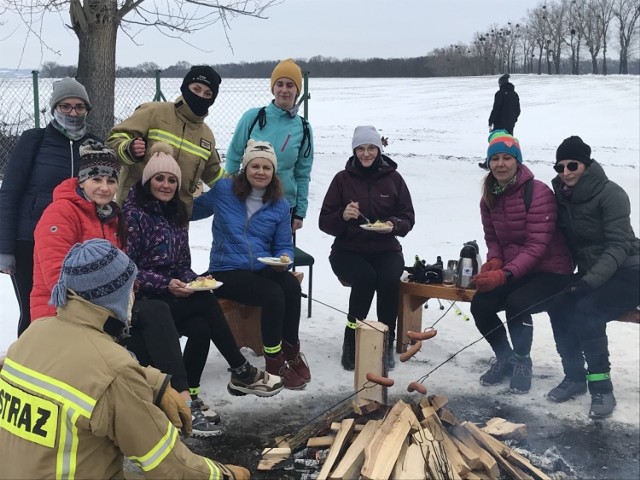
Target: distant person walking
506 106
42 158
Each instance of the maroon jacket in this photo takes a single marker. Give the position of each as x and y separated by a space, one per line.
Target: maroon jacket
526 241
382 196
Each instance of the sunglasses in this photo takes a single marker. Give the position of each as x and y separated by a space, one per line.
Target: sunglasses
571 166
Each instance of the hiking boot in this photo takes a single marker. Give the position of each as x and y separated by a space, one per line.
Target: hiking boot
211 416
567 390
501 367
296 359
201 426
602 404
521 375
279 366
349 354
256 382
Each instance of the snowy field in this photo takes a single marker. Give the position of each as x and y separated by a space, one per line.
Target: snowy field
437 131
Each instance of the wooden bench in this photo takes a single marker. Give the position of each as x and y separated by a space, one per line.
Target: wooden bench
244 321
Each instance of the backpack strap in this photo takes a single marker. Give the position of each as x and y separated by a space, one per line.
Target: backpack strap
261 120
528 192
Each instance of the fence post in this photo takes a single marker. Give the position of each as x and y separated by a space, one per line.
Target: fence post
36 98
159 96
305 108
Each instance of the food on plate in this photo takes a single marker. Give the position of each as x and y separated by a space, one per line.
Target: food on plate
284 258
203 282
377 224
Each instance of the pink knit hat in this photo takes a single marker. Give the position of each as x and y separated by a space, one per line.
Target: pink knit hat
161 161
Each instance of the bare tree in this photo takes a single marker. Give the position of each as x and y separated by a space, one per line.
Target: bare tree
96 24
603 10
539 29
556 18
627 13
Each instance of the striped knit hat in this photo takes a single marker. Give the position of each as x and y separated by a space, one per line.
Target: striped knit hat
98 272
501 142
97 160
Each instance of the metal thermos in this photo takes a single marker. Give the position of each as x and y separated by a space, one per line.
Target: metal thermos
467 265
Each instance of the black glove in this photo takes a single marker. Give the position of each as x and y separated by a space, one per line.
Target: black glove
578 289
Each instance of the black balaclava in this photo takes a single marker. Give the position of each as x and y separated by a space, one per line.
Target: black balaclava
207 76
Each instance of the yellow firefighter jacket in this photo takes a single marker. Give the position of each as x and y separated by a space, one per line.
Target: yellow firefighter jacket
73 402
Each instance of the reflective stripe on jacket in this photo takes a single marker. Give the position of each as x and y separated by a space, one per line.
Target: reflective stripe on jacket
74 403
174 123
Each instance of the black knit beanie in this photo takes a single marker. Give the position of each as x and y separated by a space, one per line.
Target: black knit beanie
573 148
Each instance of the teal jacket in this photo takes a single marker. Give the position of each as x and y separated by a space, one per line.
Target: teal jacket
595 221
295 158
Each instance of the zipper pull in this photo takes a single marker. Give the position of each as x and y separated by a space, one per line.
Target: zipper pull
285 142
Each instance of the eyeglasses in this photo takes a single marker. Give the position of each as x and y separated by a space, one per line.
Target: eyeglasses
571 166
372 149
66 108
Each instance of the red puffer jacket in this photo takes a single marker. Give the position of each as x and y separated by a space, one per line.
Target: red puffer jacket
69 219
526 241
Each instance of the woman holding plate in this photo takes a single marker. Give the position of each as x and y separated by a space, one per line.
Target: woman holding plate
367 205
251 254
158 242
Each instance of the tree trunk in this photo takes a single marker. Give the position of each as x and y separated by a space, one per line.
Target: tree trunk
97 61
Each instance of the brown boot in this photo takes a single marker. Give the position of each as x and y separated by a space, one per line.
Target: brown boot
279 366
296 359
233 472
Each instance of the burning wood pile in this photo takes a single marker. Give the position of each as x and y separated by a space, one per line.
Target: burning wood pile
411 442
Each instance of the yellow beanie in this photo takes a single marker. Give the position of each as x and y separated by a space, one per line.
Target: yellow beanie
289 69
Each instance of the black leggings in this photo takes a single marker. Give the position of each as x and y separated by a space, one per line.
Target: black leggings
369 274
277 292
155 341
200 318
22 281
519 299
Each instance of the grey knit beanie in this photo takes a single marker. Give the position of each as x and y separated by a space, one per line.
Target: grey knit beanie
98 272
68 88
366 135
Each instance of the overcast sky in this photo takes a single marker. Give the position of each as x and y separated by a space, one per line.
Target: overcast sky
295 28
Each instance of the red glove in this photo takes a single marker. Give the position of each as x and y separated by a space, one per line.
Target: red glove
491 265
487 281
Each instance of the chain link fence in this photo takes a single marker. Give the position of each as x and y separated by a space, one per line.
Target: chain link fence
24 104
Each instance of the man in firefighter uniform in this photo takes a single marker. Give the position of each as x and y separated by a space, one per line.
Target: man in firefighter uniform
73 401
181 125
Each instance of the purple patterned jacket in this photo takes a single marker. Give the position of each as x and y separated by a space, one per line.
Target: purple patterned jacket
159 248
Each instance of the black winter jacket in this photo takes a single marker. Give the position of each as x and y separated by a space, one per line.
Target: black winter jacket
382 196
596 223
38 163
506 107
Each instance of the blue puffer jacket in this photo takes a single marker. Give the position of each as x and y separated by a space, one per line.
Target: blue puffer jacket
238 241
37 165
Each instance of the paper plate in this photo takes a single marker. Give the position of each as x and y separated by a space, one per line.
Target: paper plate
274 261
369 228
203 289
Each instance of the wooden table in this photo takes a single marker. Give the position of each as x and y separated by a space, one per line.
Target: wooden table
413 296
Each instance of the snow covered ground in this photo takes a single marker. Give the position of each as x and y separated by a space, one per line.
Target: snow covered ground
437 131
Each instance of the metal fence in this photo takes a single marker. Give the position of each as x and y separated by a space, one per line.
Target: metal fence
24 104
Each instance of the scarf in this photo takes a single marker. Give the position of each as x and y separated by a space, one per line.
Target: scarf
74 128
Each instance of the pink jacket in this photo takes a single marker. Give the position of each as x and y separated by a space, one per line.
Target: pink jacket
526 241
